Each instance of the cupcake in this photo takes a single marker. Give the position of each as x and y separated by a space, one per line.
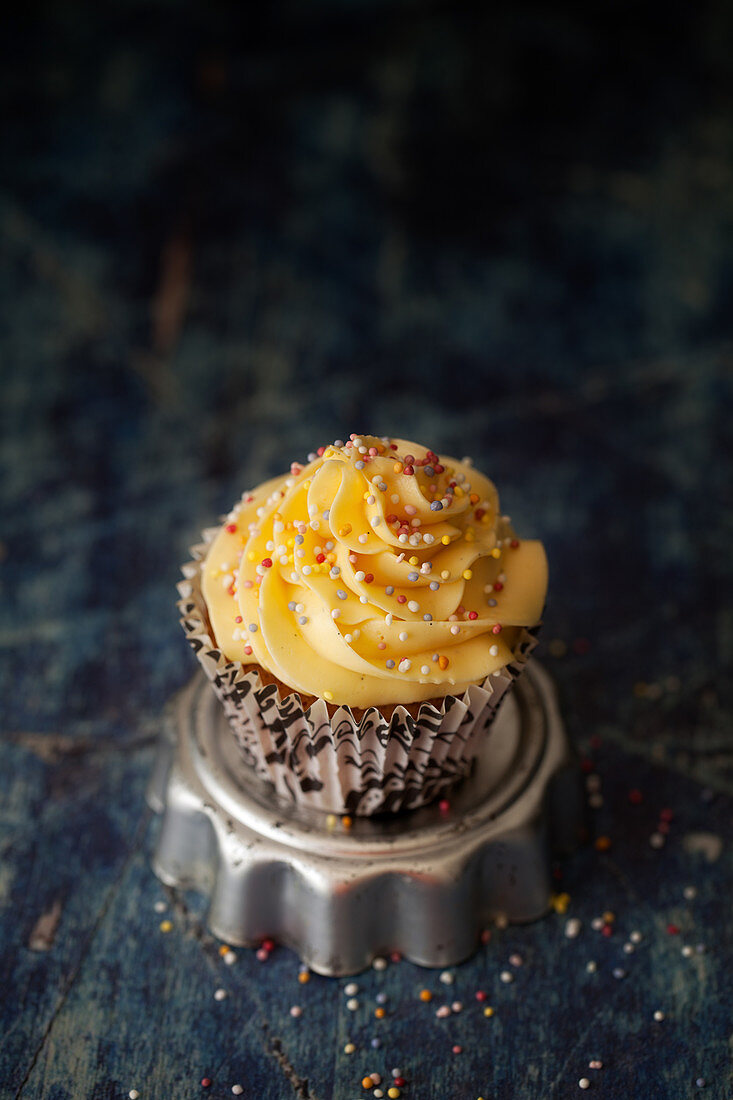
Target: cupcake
361 618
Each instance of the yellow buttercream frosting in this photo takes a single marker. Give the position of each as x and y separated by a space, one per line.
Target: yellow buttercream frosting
379 573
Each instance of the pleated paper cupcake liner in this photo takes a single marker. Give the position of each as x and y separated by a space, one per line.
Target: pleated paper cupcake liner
327 758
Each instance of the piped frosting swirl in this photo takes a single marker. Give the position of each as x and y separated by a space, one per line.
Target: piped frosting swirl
377 573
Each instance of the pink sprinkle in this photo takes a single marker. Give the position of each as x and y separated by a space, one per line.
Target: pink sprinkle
444 806
382 645
231 528
457 1049
262 955
205 1082
248 650
402 599
496 628
473 614
238 619
480 995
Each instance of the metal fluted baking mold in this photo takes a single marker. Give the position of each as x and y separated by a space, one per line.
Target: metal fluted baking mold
335 762
422 882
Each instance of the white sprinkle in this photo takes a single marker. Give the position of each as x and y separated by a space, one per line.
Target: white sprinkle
296 1011
413 605
629 949
659 1016
379 964
363 538
591 966
229 958
447 978
133 1094
237 1090
442 1012
425 670
359 575
690 892
687 951
335 613
493 650
506 976
516 960
405 665
455 630
635 937
394 498
220 995
595 1063
457 1006
352 1004
402 635
584 1083
351 989
656 840
375 521
159 907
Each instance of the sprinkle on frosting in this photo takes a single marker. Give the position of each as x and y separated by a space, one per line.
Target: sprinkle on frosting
376 573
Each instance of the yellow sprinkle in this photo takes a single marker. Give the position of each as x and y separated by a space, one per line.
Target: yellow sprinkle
393 1093
470 534
330 556
496 552
379 1013
216 573
304 976
329 452
445 540
290 543
307 484
560 902
331 821
349 1048
328 695
397 467
425 995
488 1011
609 917
166 926
345 530
467 574
251 555
444 574
346 822
486 518
458 491
413 560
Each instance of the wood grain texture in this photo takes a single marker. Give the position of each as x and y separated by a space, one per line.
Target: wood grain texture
230 236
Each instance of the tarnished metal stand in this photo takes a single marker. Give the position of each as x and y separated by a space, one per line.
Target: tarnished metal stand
423 882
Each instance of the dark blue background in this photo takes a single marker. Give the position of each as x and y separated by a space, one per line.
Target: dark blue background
232 234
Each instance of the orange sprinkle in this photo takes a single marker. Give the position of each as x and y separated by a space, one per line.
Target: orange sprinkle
304 976
223 949
425 995
379 1013
346 822
345 530
474 498
603 843
443 662
397 467
367 1083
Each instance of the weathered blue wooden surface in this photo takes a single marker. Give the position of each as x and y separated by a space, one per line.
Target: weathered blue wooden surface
230 237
